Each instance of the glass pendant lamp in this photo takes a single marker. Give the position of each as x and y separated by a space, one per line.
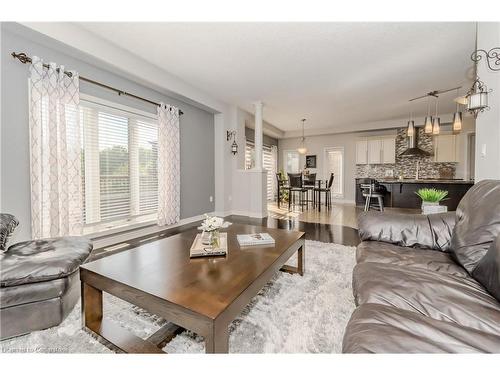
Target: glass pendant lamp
436 122
302 149
410 129
428 118
457 118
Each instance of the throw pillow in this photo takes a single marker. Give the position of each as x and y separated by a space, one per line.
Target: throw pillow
477 224
487 271
8 223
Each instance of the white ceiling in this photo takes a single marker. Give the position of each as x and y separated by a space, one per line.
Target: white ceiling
333 74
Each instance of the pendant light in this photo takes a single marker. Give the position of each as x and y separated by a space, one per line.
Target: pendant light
302 149
457 118
436 122
477 96
410 129
428 118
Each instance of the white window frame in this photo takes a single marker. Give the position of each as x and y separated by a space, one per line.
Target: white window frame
104 227
326 172
285 152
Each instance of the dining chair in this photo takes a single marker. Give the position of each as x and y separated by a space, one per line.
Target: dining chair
309 183
295 185
327 190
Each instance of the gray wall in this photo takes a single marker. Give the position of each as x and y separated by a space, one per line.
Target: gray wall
196 135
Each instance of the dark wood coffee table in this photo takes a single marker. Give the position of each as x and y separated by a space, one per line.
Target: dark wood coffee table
203 295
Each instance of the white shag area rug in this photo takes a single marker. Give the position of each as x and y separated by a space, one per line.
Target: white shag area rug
291 314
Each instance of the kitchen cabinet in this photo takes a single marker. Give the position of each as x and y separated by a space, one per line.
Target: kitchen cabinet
362 152
445 148
374 151
389 150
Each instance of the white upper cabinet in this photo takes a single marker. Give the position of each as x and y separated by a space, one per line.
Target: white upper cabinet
374 151
362 152
389 150
445 148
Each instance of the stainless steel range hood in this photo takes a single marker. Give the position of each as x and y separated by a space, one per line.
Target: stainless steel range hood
413 149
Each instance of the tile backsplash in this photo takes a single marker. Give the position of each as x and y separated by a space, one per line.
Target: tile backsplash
406 166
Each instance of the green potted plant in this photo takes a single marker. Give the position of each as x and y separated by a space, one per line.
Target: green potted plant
430 200
284 193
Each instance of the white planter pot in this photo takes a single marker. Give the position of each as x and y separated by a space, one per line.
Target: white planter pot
433 208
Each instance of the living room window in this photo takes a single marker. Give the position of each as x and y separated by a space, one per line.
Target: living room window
119 165
269 161
292 161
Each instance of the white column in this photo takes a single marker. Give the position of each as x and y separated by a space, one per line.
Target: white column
258 134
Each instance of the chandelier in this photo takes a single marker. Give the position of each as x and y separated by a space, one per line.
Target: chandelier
302 149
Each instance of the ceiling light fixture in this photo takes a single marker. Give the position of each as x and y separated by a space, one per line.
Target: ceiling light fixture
302 149
477 96
428 118
436 123
410 129
457 118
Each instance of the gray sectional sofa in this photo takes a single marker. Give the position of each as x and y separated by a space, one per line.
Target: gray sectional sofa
429 284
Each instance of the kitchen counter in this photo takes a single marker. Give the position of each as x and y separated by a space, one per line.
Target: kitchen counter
402 193
424 181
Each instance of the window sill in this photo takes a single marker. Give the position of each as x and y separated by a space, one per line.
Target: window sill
98 231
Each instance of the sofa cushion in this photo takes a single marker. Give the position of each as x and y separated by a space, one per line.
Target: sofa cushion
375 328
432 260
410 230
477 224
487 271
453 299
42 260
34 292
8 223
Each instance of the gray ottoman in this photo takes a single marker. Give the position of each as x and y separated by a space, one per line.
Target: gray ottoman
39 283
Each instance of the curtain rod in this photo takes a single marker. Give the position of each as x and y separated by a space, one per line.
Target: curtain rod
25 59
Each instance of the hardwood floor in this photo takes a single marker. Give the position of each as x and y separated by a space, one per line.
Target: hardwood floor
342 214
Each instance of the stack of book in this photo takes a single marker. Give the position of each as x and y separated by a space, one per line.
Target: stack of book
255 239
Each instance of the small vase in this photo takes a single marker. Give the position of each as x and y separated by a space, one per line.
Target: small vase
211 238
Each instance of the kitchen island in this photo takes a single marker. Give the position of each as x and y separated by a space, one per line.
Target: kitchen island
401 193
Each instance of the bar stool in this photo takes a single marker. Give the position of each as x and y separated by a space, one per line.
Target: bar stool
371 189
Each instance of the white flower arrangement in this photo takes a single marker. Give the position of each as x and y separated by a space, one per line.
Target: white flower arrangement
212 223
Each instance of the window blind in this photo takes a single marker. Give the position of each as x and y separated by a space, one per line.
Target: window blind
119 164
269 163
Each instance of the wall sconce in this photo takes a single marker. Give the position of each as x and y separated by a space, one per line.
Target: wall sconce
231 134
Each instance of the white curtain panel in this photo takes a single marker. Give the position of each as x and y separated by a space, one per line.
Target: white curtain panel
169 180
56 198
